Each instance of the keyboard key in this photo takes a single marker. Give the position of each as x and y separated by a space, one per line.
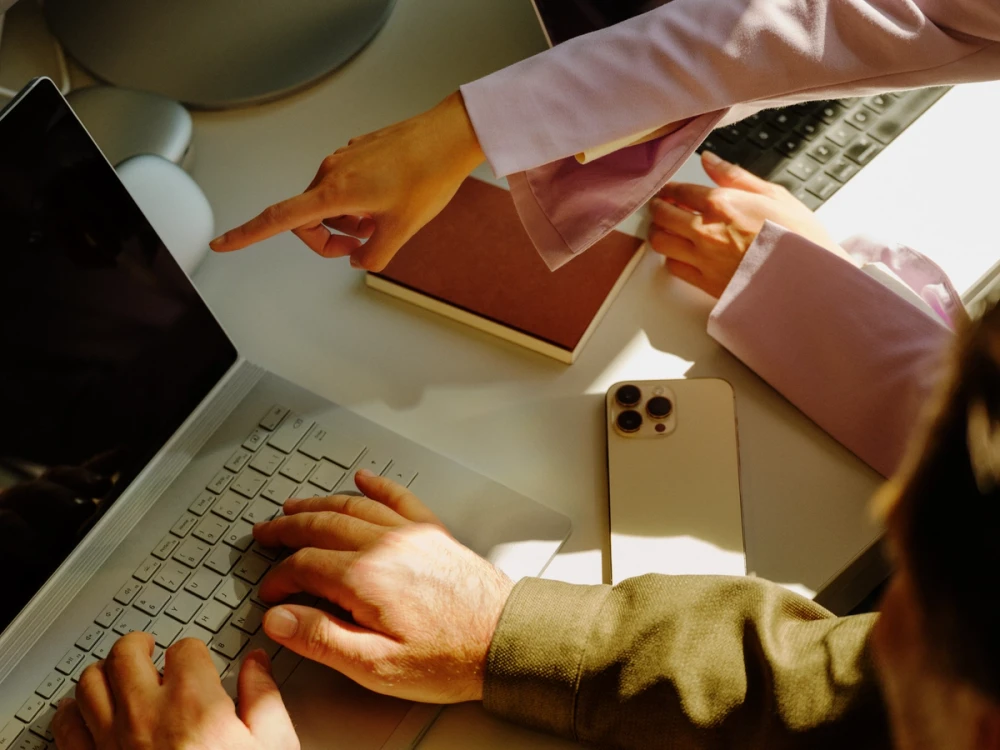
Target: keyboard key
212 616
202 503
230 642
821 152
211 529
862 150
232 592
292 430
166 546
860 119
829 112
803 168
230 506
222 559
171 576
10 733
841 134
402 474
28 741
248 618
145 571
30 709
42 723
184 525
199 633
879 103
66 690
791 145
767 163
249 482
260 510
132 620
732 133
268 553
374 461
183 607
82 667
781 119
267 460
50 684
273 417
841 169
340 449
192 552
810 200
822 186
203 583
219 482
255 439
107 615
90 638
283 664
238 460
152 600
251 568
326 476
165 630
240 536
810 128
261 641
279 489
127 592
68 663
297 467
103 648
765 136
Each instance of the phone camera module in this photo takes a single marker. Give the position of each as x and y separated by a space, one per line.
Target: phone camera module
659 407
629 421
628 396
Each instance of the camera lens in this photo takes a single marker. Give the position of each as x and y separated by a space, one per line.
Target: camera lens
629 421
659 407
628 395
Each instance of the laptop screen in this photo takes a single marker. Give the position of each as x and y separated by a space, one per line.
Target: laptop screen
565 19
105 347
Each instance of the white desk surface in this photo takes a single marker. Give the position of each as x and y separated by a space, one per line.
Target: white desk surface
528 422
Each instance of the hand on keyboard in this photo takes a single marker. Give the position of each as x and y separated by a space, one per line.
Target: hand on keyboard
124 704
704 232
424 608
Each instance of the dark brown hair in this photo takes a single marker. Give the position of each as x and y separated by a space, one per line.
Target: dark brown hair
946 518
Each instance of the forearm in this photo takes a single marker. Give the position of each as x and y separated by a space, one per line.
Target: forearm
700 662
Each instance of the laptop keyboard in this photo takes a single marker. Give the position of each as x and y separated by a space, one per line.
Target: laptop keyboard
201 580
813 149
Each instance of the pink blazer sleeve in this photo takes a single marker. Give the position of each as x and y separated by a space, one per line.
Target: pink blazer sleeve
855 357
703 60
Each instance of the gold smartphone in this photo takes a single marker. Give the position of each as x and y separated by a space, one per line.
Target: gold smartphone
674 478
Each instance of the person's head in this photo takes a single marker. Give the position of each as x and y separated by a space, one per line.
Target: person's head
937 642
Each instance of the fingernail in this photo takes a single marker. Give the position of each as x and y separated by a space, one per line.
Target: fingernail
364 473
280 623
217 241
260 656
354 263
712 159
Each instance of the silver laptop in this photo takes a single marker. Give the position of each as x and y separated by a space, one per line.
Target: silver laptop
138 448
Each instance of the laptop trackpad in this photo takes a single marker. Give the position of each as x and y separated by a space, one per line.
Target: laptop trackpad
330 711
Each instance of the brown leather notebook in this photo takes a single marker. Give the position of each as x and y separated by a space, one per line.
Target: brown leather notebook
474 263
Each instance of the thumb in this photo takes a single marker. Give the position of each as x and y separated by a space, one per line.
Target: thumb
261 707
325 638
381 247
726 174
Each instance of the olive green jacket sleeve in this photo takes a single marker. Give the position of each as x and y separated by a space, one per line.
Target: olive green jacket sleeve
685 662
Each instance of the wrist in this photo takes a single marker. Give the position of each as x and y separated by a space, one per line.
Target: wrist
460 133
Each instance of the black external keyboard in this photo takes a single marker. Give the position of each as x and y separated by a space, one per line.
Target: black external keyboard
814 148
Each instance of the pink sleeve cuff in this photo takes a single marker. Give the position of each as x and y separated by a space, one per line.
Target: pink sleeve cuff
856 358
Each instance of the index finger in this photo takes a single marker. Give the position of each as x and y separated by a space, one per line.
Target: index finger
309 207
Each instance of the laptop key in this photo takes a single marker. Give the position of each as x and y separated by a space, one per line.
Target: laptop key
326 476
821 152
222 559
165 630
28 741
50 684
268 553
107 615
211 529
166 546
197 632
267 460
127 592
203 582
202 503
273 417
43 722
822 186
183 607
230 506
279 489
249 482
401 474
90 638
232 592
192 552
841 169
340 449
67 690
261 641
10 733
213 616
103 648
152 600
240 536
146 569
184 525
238 460
291 431
68 663
297 467
229 642
131 621
260 510
255 439
862 150
171 576
283 664
82 667
219 482
30 709
248 618
251 568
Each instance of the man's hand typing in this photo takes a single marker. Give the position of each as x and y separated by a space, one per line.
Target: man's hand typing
418 609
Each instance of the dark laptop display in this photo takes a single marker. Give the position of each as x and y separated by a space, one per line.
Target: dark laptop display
105 347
